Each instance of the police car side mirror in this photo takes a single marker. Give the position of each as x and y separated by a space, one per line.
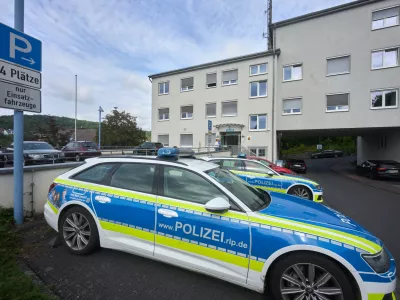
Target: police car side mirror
217 205
270 173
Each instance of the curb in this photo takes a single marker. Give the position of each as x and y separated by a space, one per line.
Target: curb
362 180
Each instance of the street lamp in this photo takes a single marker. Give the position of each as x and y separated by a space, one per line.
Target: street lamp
100 111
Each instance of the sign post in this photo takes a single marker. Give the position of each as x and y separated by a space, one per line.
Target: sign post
20 81
209 127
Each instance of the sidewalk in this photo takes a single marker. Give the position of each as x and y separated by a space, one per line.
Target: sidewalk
348 170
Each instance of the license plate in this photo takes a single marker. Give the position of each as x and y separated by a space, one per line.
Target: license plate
393 171
297 166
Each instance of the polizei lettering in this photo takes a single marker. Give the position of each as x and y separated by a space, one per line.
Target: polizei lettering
203 232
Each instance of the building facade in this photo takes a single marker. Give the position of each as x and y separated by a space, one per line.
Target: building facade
333 72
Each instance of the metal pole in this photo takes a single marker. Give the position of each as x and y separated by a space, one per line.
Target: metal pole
18 134
76 100
100 111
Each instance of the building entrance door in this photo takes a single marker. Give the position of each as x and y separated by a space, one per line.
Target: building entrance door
231 140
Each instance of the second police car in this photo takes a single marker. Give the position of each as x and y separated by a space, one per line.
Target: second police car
263 177
196 215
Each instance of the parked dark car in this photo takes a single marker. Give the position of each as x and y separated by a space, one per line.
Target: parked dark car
327 153
80 150
147 148
2 159
376 169
37 153
297 165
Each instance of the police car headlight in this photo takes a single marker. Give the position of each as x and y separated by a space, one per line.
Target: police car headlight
318 187
379 262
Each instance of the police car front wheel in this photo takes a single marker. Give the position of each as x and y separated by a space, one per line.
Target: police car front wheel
305 275
78 231
300 191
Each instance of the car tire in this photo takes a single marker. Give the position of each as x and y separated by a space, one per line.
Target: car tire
306 271
79 221
301 191
77 158
373 176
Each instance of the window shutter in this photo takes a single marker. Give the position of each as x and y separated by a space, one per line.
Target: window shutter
385 13
212 78
291 104
211 109
163 111
338 100
164 139
187 140
229 75
187 82
187 109
339 65
229 108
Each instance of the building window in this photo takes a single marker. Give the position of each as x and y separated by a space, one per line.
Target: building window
385 18
291 106
211 110
257 122
385 58
163 114
212 138
163 139
253 151
258 89
211 80
338 65
229 109
293 72
187 112
187 84
258 69
261 152
186 140
229 77
163 88
384 99
258 152
337 102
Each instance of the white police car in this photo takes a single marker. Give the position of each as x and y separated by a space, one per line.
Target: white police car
194 214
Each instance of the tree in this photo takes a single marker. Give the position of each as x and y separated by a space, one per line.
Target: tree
120 129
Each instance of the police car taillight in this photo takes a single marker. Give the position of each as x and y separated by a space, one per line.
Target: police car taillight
52 186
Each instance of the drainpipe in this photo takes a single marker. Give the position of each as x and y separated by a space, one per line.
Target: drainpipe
274 64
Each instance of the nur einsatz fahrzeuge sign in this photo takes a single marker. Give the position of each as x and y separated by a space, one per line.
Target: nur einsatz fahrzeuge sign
19 97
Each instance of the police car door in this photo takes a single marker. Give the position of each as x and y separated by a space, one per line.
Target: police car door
189 235
257 175
126 210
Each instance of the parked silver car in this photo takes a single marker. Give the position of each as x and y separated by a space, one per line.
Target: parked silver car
37 153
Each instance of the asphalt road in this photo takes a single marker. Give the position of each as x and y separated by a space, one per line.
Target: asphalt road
375 209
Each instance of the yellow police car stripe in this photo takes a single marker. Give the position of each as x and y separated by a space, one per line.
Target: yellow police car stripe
256 265
201 250
53 208
299 180
179 204
380 296
332 234
270 189
141 234
103 189
251 173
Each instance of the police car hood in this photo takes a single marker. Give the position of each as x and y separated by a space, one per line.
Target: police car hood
309 212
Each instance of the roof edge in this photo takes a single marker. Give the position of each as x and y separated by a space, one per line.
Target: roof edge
323 12
217 63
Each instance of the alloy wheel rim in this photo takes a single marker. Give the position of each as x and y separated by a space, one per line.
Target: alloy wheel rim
76 231
77 158
301 192
308 281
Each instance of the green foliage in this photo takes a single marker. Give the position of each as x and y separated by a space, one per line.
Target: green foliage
14 284
120 129
6 140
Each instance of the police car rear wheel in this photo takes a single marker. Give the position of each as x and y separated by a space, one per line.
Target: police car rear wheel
309 276
78 231
301 192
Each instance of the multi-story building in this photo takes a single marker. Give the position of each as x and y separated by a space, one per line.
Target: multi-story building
333 72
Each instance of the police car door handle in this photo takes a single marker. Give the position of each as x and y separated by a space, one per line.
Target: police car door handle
102 199
167 213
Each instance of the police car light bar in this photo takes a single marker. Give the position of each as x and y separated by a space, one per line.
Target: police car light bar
174 153
241 155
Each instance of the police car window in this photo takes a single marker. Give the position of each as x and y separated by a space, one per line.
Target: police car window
136 177
185 185
252 166
232 164
96 174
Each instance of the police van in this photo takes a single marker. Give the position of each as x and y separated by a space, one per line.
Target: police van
194 214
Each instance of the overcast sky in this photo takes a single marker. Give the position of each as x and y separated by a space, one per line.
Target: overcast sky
113 45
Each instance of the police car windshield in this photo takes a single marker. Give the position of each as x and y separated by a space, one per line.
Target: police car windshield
253 198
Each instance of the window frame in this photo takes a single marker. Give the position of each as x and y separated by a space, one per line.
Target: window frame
341 73
208 117
292 65
180 140
106 180
162 120
292 113
188 90
383 58
337 110
163 82
258 89
227 70
384 27
222 111
192 112
216 80
383 98
258 122
258 69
